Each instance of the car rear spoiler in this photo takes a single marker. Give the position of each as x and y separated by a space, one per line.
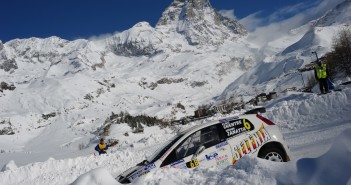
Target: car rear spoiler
256 110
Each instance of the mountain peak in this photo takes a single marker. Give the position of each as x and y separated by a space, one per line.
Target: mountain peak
200 22
184 10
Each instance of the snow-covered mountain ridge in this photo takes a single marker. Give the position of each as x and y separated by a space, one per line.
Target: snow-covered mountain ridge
165 49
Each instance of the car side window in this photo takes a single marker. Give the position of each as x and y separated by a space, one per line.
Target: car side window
206 137
189 146
186 148
210 136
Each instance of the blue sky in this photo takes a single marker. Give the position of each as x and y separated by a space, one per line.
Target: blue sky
73 19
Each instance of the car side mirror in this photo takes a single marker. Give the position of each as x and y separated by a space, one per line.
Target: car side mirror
198 151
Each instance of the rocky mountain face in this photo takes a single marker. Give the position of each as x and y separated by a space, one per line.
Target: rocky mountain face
6 64
199 22
194 21
140 40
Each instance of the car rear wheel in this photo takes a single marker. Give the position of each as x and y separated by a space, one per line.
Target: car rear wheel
273 154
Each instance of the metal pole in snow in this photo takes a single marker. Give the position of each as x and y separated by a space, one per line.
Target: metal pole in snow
315 52
303 82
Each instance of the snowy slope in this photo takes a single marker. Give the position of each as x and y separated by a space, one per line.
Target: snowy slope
278 72
82 85
320 144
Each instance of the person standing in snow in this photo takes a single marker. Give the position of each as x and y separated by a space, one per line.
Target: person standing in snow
320 72
101 147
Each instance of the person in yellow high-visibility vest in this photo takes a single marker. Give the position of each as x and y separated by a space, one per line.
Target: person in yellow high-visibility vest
320 72
101 147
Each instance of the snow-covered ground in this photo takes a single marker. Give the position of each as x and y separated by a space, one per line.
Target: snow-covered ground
317 128
146 70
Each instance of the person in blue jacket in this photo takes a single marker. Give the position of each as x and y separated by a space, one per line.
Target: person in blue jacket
101 147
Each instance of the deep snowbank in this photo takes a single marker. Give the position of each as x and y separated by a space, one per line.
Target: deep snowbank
301 110
96 176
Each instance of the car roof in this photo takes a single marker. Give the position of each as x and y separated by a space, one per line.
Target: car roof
213 122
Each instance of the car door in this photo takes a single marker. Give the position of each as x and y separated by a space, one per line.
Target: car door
217 150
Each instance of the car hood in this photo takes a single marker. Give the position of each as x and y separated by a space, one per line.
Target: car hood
135 172
130 171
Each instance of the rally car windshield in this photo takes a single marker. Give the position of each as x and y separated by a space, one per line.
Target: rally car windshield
163 149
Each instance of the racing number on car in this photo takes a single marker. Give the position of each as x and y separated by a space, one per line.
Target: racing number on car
192 164
236 127
247 125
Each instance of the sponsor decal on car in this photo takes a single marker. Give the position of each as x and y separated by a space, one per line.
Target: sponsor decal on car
211 156
221 149
225 156
220 145
136 175
222 163
250 143
150 166
178 164
235 127
143 171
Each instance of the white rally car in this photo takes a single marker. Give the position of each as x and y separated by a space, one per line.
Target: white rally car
217 143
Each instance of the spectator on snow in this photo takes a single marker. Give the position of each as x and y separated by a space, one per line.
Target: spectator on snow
101 147
320 72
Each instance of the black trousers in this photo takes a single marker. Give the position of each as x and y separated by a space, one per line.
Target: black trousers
323 85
